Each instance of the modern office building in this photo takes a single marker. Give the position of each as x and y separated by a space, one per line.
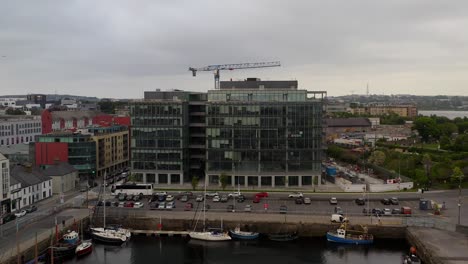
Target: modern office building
256 133
18 129
264 134
40 99
168 136
5 186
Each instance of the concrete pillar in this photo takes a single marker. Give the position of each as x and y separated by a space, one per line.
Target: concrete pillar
273 181
299 179
181 178
246 181
169 179
144 177
286 181
233 180
156 178
319 182
259 181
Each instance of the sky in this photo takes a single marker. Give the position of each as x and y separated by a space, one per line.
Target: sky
118 49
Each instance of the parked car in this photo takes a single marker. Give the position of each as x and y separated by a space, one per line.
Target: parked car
262 194
296 195
248 208
338 218
8 217
121 204
184 198
138 205
240 198
170 205
169 198
385 201
216 199
188 206
100 203
224 198
129 197
161 198
338 210
406 210
199 198
153 205
234 194
116 204
299 201
333 200
376 211
31 209
394 201
122 197
307 200
396 211
386 212
137 198
211 194
360 201
283 209
160 193
256 199
162 206
84 189
129 204
182 194
108 203
20 213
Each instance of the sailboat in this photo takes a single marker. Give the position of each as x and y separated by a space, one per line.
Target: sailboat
103 234
85 247
212 235
283 236
238 234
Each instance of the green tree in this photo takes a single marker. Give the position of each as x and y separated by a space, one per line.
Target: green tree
426 128
447 129
223 179
12 111
461 143
462 127
195 181
427 163
377 157
421 177
457 177
334 151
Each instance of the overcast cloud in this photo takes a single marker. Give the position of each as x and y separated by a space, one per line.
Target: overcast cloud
121 48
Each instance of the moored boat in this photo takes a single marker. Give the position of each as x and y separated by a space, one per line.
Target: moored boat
210 236
71 237
283 237
109 237
84 248
238 234
341 235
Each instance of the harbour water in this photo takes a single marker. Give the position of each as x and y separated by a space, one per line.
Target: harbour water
180 250
448 114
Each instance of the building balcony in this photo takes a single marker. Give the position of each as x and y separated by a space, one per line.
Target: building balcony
194 124
198 113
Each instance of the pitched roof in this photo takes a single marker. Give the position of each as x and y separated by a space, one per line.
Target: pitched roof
348 122
59 169
28 176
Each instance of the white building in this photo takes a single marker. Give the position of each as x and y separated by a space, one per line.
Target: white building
10 101
28 185
5 185
17 130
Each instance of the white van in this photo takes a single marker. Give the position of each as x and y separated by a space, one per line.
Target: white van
337 218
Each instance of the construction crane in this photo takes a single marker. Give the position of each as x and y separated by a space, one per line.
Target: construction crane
217 68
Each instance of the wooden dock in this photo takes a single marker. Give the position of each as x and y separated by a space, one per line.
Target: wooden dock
158 233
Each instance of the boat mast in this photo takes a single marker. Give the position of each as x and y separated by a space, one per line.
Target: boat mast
204 206
104 198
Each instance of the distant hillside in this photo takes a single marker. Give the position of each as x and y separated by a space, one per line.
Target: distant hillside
55 97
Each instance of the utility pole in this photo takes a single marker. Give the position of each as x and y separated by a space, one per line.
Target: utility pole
459 199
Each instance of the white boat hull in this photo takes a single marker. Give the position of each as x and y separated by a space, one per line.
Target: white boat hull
210 236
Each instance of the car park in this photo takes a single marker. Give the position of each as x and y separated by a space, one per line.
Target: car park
137 198
396 211
211 194
262 194
161 198
31 209
394 201
234 194
386 212
376 211
20 213
240 198
248 208
385 201
129 197
224 198
307 200
182 194
170 205
129 204
138 205
199 198
188 206
296 195
283 209
360 201
162 206
122 197
256 199
169 198
299 201
333 200
338 218
160 193
338 210
184 198
216 199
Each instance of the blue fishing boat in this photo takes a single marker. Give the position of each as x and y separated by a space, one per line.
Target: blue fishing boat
71 237
341 235
238 234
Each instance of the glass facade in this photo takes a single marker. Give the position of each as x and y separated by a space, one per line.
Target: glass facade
263 132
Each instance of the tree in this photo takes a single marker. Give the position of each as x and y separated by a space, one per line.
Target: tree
334 151
457 177
447 129
426 128
12 111
195 181
461 143
427 163
377 157
223 179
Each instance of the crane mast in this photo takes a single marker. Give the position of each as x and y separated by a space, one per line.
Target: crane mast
217 68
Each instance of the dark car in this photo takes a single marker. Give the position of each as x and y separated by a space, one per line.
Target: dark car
108 203
116 204
394 201
385 201
154 205
137 198
376 211
338 210
283 209
360 201
8 217
100 203
31 209
129 197
256 199
122 197
224 198
396 211
161 198
240 198
182 194
299 201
